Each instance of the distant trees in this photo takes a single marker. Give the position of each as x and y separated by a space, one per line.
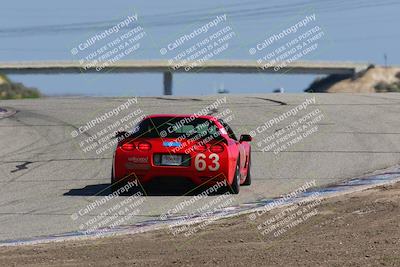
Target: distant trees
11 90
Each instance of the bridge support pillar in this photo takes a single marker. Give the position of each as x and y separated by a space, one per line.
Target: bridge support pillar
168 83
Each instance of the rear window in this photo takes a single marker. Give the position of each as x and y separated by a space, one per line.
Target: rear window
171 127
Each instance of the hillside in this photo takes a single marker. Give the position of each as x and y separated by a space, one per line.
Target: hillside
374 79
12 90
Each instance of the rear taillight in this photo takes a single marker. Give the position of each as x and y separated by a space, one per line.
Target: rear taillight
144 146
199 148
216 148
128 146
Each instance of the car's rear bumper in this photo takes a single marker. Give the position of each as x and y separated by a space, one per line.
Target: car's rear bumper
147 173
144 166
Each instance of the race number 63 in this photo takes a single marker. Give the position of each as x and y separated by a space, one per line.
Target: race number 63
200 163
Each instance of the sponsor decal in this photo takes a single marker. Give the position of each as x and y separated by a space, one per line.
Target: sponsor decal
138 159
172 144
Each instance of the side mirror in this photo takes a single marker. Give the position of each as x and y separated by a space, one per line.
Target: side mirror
245 138
122 135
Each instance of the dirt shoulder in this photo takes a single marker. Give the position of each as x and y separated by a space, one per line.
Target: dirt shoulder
360 229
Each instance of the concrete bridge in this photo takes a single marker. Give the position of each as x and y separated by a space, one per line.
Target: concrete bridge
168 68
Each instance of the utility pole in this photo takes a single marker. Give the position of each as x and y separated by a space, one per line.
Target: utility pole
385 58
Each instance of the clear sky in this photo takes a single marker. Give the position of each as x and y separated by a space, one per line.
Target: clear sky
353 30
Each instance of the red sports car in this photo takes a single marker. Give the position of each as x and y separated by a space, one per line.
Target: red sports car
203 149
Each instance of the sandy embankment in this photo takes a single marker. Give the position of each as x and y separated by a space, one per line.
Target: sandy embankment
361 229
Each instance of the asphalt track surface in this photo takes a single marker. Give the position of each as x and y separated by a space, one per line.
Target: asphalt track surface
46 177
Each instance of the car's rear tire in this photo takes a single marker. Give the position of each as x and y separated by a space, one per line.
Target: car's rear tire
248 175
114 186
117 185
234 188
